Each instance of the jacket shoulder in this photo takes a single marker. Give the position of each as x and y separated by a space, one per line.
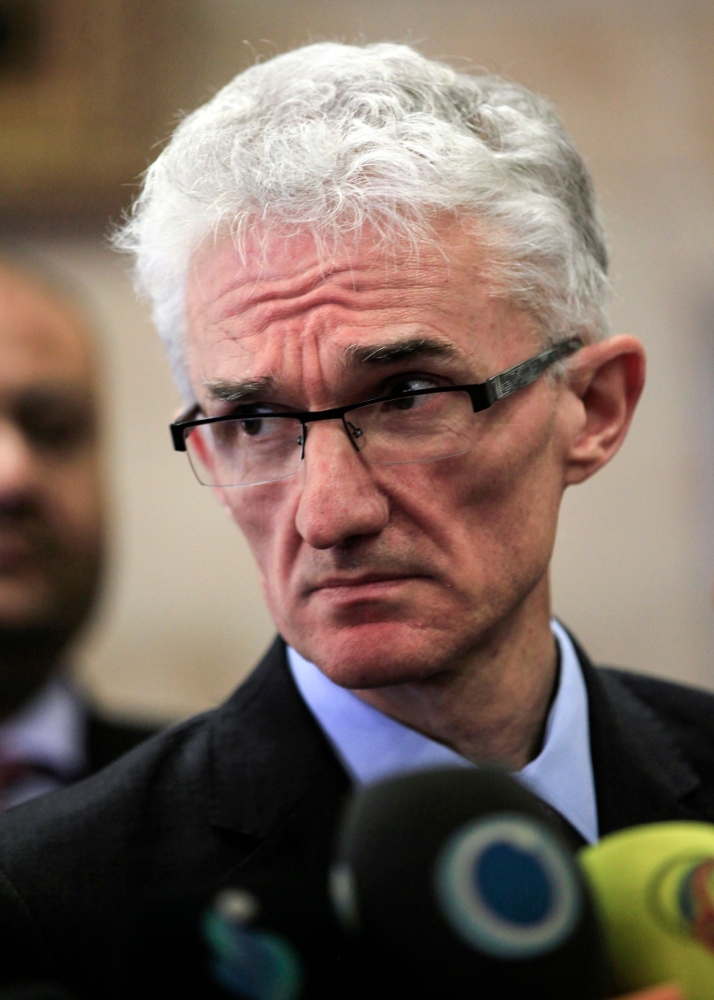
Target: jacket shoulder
683 704
74 864
162 782
687 712
62 852
119 790
108 738
159 804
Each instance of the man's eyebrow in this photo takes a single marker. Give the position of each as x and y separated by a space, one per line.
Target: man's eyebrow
413 348
245 391
401 350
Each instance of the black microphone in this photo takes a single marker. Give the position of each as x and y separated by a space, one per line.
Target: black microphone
448 882
34 990
457 883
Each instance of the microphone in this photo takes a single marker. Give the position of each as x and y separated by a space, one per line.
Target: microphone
457 883
446 884
654 892
38 990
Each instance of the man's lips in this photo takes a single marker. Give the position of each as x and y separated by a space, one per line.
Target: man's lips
347 584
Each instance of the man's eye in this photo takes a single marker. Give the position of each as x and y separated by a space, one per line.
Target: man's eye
410 384
407 385
252 426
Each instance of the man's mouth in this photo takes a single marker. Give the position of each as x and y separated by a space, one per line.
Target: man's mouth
362 584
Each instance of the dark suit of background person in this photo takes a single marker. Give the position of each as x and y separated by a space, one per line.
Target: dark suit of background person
381 575
51 541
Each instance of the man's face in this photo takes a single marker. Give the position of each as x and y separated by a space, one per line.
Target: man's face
50 491
382 574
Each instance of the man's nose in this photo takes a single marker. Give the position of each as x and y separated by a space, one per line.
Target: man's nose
340 498
17 462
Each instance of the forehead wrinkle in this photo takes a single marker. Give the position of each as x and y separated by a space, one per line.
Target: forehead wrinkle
291 290
260 316
263 299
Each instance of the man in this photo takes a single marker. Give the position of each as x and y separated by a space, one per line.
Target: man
382 285
51 541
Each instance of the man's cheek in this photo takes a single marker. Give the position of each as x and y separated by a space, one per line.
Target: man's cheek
254 520
263 538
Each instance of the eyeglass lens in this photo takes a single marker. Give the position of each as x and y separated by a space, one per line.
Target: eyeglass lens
263 449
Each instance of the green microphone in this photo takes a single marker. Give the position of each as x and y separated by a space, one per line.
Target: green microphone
654 892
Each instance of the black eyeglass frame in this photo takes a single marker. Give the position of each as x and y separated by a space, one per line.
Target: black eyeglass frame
483 395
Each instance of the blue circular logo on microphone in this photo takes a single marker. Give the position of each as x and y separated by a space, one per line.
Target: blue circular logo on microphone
507 887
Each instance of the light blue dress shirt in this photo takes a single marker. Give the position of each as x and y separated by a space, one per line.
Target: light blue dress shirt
371 745
47 732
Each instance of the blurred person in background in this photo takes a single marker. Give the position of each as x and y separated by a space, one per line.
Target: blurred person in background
52 538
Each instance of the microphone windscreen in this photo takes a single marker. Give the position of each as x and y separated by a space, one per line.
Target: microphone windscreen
39 990
466 887
654 891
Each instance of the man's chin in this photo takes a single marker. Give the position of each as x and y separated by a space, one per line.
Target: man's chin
377 654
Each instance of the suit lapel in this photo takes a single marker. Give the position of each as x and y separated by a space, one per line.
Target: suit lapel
640 775
268 755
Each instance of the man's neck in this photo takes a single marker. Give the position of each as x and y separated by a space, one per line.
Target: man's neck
493 705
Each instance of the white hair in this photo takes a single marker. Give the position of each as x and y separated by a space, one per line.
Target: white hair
331 138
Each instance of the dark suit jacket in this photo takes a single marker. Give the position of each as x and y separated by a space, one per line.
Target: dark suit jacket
255 781
108 738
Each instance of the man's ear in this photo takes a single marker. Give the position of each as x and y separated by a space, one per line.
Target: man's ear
605 381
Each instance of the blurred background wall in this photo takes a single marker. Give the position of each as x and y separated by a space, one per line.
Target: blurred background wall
87 91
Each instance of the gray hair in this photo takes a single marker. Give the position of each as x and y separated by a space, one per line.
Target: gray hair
331 138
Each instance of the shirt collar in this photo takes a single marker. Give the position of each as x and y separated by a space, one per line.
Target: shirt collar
48 731
371 745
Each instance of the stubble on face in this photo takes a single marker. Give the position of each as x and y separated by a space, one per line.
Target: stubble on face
381 575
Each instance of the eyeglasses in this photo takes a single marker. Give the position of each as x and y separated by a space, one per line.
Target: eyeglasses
256 445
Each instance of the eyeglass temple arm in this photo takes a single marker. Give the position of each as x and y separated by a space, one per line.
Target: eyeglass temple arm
177 436
502 385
